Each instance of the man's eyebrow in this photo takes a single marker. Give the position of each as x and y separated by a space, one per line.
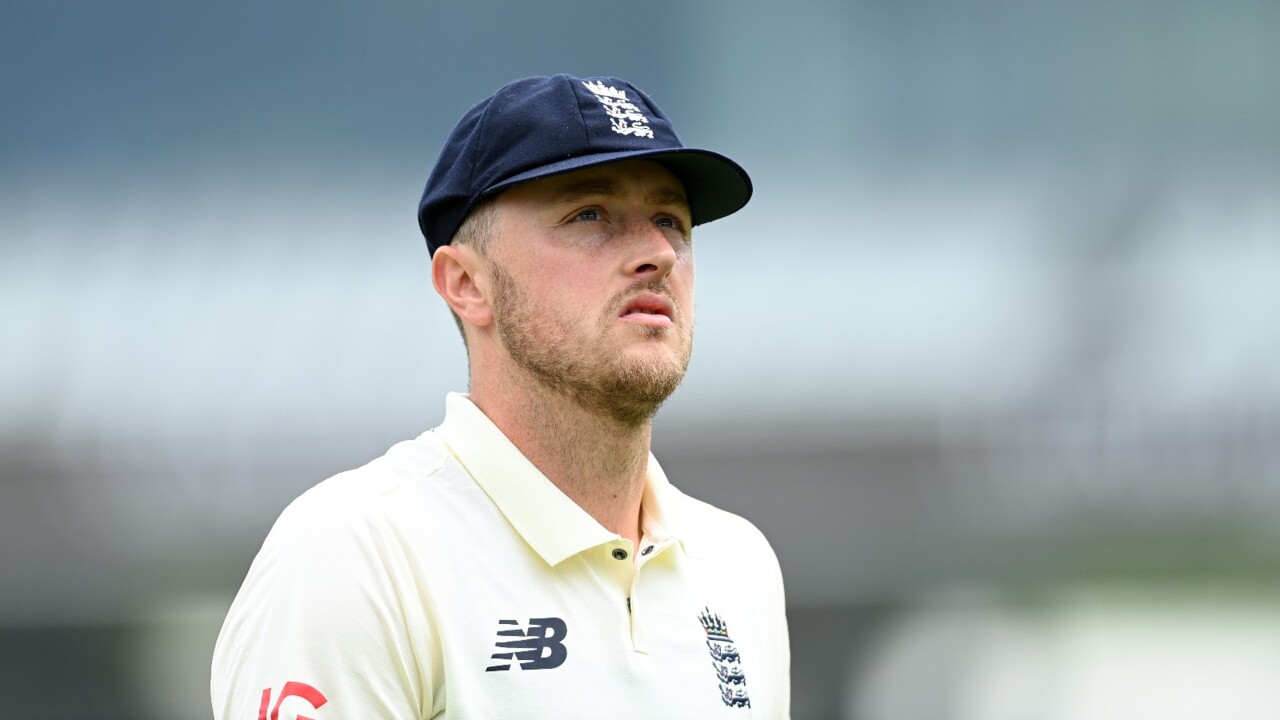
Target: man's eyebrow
668 196
588 187
607 187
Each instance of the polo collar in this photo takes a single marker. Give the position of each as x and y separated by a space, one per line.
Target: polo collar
548 520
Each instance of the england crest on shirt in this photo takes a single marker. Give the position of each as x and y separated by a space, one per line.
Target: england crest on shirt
726 660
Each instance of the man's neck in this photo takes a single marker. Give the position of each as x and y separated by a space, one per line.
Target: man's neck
598 462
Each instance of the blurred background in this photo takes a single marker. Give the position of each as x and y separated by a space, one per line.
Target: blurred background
993 356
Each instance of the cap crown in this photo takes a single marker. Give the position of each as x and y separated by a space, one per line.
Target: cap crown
541 126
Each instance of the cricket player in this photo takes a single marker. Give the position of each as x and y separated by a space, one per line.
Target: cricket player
528 558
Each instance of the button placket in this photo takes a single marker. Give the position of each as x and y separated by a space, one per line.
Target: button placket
648 551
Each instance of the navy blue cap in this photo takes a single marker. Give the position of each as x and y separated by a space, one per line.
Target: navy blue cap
543 126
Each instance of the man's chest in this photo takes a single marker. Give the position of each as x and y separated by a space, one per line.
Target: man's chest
673 639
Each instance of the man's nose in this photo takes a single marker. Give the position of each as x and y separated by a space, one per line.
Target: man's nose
654 254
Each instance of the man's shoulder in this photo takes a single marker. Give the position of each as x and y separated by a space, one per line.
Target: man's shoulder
408 468
713 526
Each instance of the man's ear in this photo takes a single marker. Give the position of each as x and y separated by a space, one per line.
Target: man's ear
460 275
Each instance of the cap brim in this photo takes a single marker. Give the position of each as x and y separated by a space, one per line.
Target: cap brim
716 186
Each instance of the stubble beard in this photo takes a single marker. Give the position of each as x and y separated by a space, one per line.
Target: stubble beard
582 368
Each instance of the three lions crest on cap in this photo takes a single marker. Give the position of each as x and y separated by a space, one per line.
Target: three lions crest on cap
624 116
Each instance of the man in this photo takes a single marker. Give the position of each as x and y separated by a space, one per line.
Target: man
528 558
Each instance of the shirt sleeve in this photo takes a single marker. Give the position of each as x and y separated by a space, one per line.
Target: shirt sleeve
320 631
781 636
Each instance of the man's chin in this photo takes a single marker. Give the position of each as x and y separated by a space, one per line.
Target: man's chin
659 370
655 345
652 357
633 402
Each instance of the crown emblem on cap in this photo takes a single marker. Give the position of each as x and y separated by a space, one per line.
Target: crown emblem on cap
599 88
624 117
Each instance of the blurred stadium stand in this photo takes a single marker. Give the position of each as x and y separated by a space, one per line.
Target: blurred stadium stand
992 357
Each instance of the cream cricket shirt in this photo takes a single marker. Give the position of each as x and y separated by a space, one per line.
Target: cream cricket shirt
450 578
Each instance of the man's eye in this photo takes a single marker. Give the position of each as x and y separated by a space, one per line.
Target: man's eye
587 215
666 222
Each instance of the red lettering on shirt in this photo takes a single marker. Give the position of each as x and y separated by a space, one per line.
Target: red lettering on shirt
291 689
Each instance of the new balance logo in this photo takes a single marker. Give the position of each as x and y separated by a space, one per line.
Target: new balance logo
540 647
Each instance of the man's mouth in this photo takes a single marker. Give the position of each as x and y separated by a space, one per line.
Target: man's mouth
649 309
